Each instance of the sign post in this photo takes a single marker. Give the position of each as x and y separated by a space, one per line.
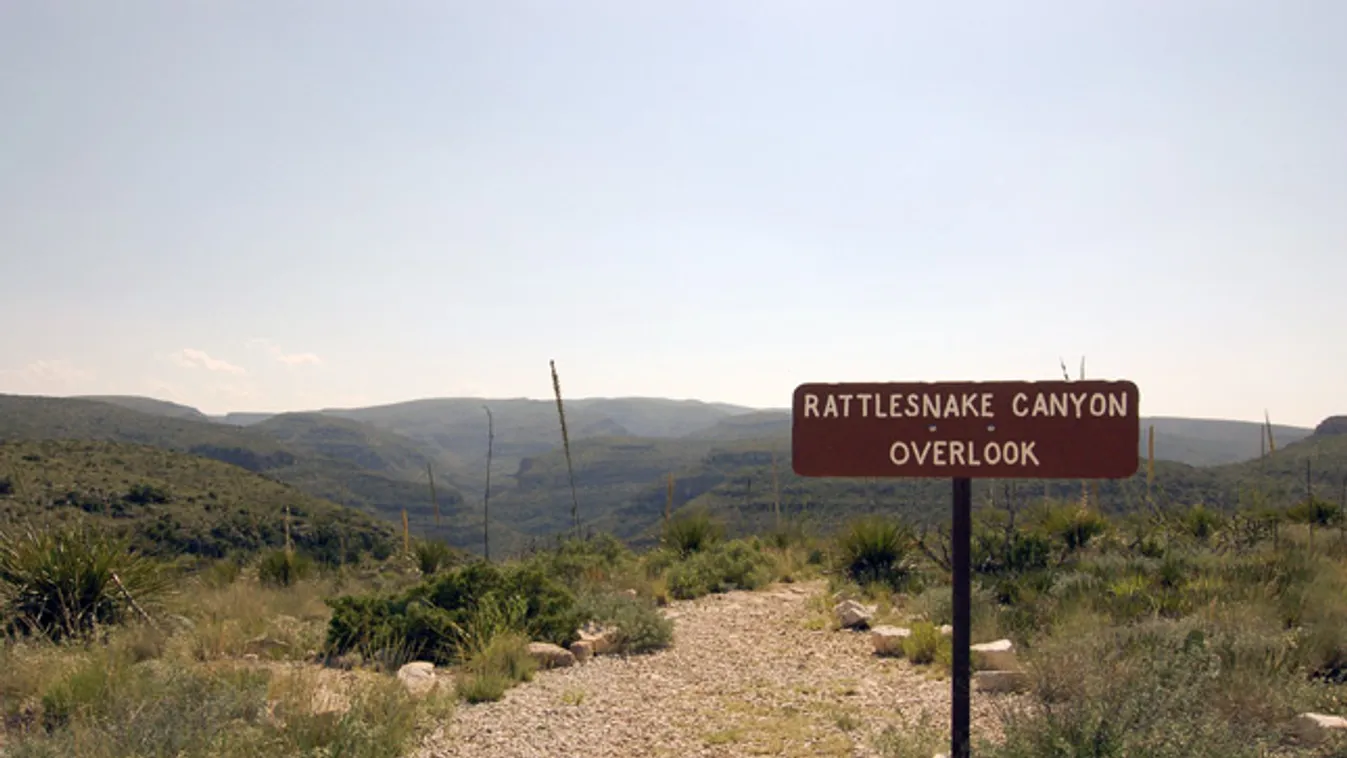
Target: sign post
964 431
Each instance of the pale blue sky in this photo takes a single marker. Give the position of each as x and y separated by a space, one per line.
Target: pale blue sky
286 205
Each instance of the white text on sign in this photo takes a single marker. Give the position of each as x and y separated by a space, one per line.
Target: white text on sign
961 453
965 405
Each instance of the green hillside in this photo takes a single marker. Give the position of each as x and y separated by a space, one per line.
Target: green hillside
151 405
364 445
173 503
341 481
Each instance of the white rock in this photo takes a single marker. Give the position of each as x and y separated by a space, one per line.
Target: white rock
995 656
550 656
851 614
418 677
602 640
583 650
888 640
947 630
1313 728
1000 681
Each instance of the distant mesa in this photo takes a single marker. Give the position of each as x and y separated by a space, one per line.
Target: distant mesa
1330 426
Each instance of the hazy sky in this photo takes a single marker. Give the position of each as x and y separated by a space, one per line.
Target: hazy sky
287 205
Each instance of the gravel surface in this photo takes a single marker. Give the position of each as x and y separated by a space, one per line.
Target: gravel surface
745 676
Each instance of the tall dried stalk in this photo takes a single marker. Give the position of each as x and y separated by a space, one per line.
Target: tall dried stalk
406 534
668 499
566 446
776 492
430 474
486 496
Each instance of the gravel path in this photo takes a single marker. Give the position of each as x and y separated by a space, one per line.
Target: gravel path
745 676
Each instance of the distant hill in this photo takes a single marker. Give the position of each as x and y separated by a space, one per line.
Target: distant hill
341 481
173 503
361 444
151 406
624 449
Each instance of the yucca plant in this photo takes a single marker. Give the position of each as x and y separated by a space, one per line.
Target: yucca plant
877 550
67 581
690 533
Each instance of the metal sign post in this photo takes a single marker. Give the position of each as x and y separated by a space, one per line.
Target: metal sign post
964 431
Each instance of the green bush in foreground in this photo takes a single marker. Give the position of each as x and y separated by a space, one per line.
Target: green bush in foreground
640 628
63 582
734 565
453 612
106 707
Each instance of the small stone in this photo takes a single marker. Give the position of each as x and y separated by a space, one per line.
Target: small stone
852 615
550 656
1000 681
888 640
583 650
995 656
1313 728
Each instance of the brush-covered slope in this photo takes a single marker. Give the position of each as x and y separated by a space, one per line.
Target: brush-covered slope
364 445
151 406
174 503
341 481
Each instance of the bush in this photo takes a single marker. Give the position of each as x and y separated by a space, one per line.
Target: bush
577 562
282 568
1157 689
445 618
639 627
877 550
730 566
62 582
432 556
924 644
689 533
146 494
493 669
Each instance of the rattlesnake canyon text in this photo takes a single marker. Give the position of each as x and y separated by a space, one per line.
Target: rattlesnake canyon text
936 405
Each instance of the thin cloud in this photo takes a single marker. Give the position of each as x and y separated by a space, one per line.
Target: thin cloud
280 356
45 375
192 358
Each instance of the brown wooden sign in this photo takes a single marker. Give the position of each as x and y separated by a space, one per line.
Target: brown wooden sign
1009 430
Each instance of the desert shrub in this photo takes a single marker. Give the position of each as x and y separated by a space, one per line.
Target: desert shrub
877 550
457 610
62 582
1201 523
1073 526
104 707
924 643
640 628
499 665
145 493
792 532
733 565
579 562
1159 688
693 532
432 556
6 486
282 568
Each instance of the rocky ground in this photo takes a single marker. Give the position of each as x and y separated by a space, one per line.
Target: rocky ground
749 673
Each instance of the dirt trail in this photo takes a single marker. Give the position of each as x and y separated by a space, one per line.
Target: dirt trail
745 676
